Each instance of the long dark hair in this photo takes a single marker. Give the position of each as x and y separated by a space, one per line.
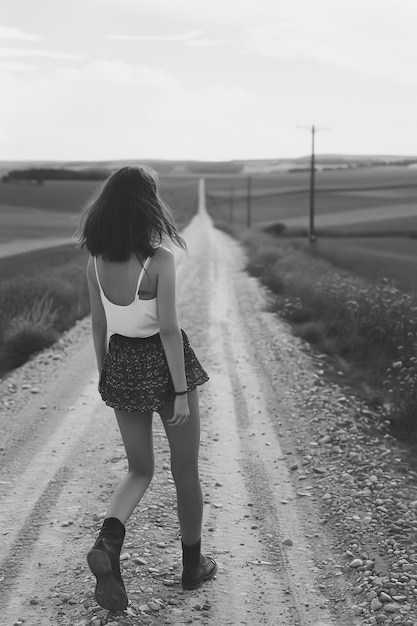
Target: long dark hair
127 215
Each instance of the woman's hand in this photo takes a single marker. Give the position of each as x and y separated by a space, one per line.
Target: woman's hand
181 411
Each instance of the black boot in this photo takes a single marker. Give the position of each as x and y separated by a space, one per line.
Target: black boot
196 567
103 560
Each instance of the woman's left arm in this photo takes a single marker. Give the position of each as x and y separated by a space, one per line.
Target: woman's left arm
98 315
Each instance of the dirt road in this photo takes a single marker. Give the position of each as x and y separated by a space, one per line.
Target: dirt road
60 458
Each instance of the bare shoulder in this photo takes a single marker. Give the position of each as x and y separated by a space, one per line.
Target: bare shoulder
163 257
162 251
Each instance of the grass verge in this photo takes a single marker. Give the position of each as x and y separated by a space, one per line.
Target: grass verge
42 294
368 329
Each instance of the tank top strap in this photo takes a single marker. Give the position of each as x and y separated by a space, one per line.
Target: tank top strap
97 276
144 267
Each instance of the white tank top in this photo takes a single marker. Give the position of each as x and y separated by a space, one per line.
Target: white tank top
137 319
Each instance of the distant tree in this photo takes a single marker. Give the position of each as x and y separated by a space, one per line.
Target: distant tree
276 229
39 175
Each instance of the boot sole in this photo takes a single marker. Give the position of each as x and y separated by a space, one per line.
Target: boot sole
199 583
109 593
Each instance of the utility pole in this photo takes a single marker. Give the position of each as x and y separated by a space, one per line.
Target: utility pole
232 204
311 230
312 234
249 203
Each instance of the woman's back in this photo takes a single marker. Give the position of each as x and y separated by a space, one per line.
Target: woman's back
128 292
119 280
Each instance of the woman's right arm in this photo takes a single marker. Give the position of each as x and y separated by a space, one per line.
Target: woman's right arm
98 316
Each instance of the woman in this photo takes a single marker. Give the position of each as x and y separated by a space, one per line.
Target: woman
145 364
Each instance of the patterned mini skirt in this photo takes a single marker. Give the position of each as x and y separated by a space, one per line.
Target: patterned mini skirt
136 377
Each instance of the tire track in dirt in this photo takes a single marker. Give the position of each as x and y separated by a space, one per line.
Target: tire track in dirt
28 498
23 539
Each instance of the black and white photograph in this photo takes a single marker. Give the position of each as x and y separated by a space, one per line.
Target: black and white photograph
208 312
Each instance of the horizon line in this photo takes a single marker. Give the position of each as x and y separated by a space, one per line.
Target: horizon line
202 160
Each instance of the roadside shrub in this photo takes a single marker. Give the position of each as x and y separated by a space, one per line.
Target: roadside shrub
35 309
226 227
272 279
276 230
294 310
369 327
39 314
22 344
264 258
313 332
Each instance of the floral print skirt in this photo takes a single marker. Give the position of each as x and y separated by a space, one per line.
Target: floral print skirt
136 377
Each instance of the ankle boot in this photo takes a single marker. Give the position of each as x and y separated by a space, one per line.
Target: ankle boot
103 561
197 568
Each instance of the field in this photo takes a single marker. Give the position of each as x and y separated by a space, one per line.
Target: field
52 209
284 196
364 217
394 258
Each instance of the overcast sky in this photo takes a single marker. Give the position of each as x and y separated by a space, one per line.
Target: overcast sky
206 79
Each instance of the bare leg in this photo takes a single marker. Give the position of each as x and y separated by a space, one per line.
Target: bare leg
184 442
136 431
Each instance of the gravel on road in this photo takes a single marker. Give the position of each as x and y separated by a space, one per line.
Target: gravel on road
310 510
